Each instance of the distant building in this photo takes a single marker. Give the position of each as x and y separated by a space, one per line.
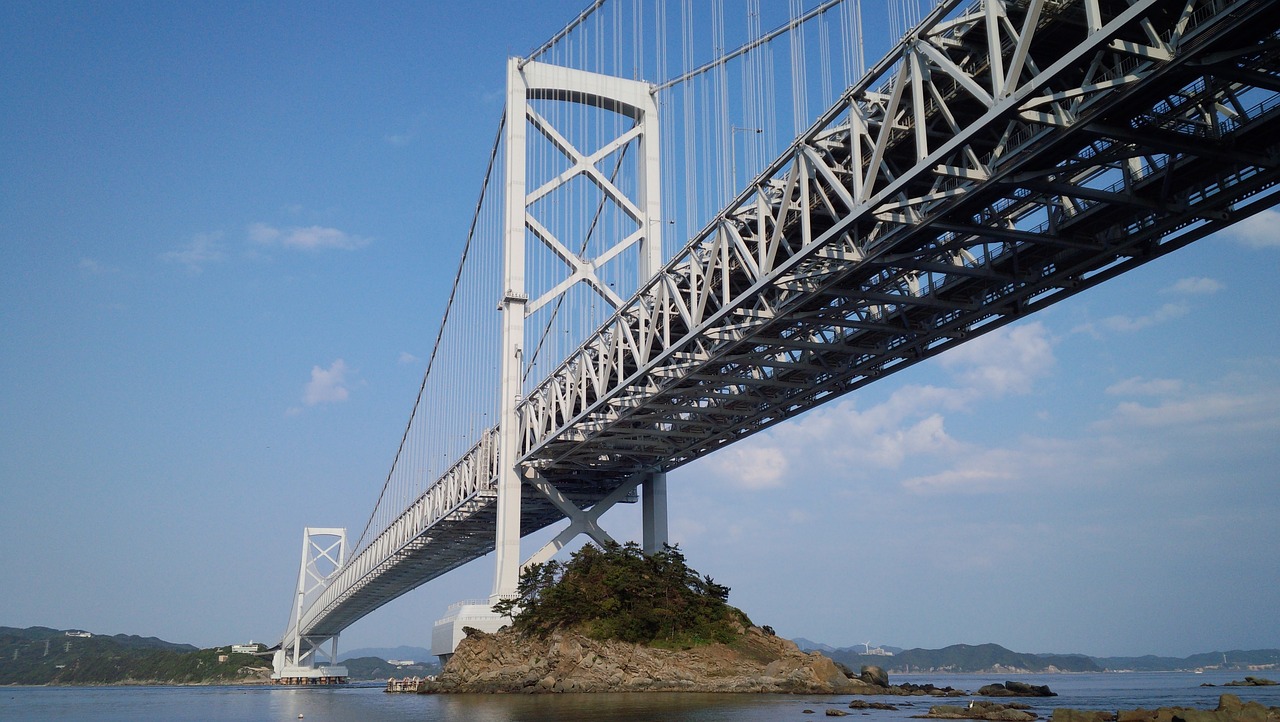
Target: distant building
250 648
400 662
78 633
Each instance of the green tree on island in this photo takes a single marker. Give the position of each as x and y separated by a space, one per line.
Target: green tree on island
619 592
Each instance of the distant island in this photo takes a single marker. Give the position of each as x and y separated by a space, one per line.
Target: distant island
44 656
995 659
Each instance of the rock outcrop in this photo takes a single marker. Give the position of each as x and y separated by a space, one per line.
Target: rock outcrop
1016 689
909 689
863 704
993 711
566 661
1230 709
1252 682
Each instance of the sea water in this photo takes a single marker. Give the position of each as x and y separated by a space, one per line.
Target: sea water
362 703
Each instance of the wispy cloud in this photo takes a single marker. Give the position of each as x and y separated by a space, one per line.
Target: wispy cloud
752 467
1138 386
1258 231
1218 410
1004 361
909 425
310 238
408 358
409 131
327 385
400 139
1196 285
201 250
1130 438
93 267
1130 324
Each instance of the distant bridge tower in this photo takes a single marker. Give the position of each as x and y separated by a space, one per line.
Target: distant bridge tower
324 551
528 83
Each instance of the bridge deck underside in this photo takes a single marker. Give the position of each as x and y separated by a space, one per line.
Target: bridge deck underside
819 340
877 296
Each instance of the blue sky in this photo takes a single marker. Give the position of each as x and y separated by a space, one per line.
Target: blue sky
226 237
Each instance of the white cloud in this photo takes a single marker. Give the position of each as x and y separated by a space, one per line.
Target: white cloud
1196 285
203 249
310 238
1003 361
1258 231
888 446
909 426
262 233
751 467
1138 386
408 358
975 479
1129 324
327 385
1216 411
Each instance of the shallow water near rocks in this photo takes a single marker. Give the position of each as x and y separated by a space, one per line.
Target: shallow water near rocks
354 703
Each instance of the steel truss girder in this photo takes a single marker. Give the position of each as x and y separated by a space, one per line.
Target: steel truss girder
1016 91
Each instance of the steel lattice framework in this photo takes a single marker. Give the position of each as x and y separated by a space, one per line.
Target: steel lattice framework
1002 159
1006 155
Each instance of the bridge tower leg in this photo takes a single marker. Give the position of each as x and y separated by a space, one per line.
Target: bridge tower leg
528 80
506 578
532 81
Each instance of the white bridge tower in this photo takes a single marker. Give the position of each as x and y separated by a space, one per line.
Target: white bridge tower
529 82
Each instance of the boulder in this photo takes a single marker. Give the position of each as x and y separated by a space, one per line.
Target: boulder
872 674
1016 689
863 704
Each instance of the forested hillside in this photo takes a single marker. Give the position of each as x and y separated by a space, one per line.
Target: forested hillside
39 655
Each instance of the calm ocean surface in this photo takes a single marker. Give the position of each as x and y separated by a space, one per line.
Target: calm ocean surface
370 704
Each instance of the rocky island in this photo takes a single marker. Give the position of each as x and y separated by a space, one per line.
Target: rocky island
614 619
571 661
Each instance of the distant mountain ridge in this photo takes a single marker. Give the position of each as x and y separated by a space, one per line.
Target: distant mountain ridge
993 658
128 641
40 655
417 654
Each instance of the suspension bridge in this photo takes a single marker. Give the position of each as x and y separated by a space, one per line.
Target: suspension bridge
696 225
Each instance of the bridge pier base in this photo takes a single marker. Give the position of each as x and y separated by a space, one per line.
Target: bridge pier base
449 630
302 667
653 509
